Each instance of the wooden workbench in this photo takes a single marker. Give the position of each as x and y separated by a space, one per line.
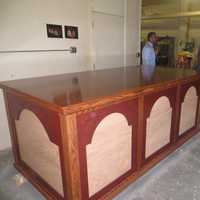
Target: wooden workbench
87 135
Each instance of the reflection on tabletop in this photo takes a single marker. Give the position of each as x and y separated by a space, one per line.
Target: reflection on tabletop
73 95
148 72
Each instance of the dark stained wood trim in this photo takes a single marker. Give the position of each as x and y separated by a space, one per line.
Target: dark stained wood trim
186 86
48 118
150 99
129 109
177 113
141 128
12 129
29 173
70 157
42 103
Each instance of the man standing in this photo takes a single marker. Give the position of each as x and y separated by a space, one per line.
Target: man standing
148 52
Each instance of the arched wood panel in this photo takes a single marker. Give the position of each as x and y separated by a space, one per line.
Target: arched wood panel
109 155
158 127
37 151
188 110
107 140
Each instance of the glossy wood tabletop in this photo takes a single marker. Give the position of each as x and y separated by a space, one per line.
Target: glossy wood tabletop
69 89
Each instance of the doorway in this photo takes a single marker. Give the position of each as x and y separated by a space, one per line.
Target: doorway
115 33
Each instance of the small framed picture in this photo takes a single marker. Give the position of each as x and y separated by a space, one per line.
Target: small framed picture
71 32
54 31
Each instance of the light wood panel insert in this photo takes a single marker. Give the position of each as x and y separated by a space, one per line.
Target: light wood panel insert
110 154
188 110
158 126
37 151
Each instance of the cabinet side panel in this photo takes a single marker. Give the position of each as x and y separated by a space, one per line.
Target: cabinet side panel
37 151
36 131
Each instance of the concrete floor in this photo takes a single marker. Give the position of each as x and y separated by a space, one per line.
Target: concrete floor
175 178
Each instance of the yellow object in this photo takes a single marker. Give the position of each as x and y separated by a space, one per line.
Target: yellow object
185 54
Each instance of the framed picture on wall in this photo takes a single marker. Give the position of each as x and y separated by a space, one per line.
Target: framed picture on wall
54 31
71 32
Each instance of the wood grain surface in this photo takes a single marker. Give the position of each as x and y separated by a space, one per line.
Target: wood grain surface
37 151
112 133
158 126
188 110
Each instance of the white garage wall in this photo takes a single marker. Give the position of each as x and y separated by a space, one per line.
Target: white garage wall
23 27
4 131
